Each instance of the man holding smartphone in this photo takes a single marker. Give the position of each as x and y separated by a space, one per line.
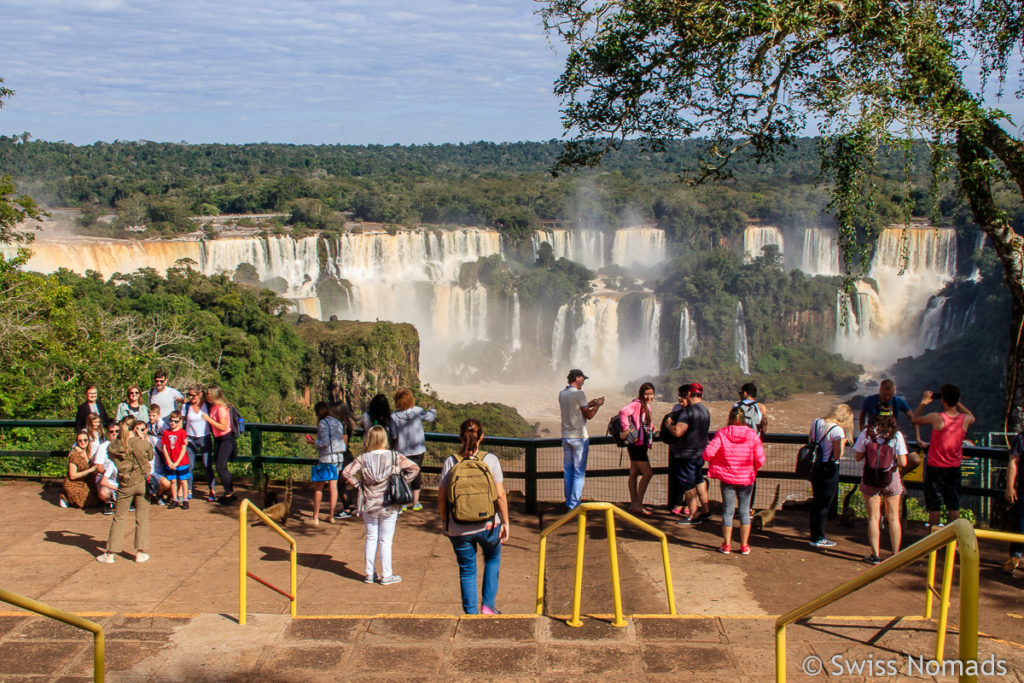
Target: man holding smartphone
576 410
945 452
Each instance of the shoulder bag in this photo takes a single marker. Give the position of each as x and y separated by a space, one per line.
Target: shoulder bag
399 492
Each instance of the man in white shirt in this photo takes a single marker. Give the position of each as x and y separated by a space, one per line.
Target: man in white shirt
576 410
168 398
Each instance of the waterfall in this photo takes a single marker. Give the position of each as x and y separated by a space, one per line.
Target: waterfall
930 331
595 342
650 324
516 323
645 246
740 340
821 252
105 256
294 261
757 237
979 244
687 335
558 336
909 266
582 246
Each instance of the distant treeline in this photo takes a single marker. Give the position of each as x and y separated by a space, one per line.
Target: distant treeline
507 186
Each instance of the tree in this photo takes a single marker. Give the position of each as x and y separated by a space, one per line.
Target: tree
751 75
14 208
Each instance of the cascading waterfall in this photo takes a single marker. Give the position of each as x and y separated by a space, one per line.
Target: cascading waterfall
294 261
516 323
757 237
687 335
821 252
582 246
645 246
740 340
595 342
910 265
558 336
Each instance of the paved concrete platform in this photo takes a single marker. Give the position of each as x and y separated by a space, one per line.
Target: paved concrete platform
175 617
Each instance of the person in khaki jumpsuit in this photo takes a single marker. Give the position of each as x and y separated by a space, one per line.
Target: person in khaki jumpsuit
131 454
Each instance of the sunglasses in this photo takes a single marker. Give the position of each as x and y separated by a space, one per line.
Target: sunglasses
133 393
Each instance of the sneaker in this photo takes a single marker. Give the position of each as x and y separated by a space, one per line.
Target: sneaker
1011 565
823 543
108 509
744 550
725 548
342 515
872 559
405 508
689 522
484 609
704 517
131 508
417 507
141 557
368 579
211 497
388 580
184 505
161 501
171 504
227 499
105 558
63 503
190 495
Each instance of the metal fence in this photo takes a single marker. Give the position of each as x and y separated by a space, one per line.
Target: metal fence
533 467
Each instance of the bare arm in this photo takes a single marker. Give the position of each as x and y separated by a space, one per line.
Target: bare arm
930 420
590 410
506 524
222 426
1012 472
838 447
917 428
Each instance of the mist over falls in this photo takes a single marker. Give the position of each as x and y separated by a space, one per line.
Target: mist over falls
619 333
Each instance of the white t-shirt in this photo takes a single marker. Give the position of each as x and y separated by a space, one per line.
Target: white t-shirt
571 401
195 425
819 429
899 445
100 457
109 472
165 399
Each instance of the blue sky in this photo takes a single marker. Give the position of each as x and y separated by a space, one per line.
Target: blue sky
303 71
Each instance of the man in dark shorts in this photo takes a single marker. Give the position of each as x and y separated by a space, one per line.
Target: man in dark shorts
686 464
945 451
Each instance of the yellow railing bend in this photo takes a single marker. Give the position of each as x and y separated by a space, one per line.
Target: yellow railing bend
580 513
68 618
947 581
959 532
243 520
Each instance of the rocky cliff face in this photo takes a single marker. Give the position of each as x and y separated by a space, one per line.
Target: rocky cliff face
355 360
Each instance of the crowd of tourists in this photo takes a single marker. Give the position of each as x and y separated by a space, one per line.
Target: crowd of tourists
736 453
148 451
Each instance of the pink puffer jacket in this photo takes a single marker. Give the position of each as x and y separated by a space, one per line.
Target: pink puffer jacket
735 455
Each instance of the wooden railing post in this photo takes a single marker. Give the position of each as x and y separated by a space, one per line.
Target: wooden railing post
530 484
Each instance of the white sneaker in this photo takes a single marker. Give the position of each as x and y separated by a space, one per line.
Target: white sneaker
368 579
141 557
105 558
387 580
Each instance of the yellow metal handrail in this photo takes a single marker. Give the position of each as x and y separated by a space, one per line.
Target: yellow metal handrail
243 520
947 581
68 618
580 513
960 532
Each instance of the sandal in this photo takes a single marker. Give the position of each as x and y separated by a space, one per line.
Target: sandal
676 511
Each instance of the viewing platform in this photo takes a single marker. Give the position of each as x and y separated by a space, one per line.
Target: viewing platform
175 617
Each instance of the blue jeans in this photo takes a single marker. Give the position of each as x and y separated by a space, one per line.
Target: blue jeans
733 495
465 553
574 460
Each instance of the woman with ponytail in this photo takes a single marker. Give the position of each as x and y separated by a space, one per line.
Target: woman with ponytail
636 416
882 439
490 532
130 453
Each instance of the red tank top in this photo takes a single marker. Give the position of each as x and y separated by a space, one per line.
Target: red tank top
947 445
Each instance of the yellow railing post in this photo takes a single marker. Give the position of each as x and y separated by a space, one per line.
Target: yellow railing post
780 653
929 587
540 573
577 586
242 545
970 565
98 641
580 513
613 558
947 585
293 556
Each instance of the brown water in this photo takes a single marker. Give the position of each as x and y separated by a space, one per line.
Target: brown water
538 403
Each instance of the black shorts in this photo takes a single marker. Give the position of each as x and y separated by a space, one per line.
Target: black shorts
638 453
690 472
941 485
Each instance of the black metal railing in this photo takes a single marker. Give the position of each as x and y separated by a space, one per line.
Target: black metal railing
534 465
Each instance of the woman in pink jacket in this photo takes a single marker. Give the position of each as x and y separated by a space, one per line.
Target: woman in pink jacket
637 416
734 456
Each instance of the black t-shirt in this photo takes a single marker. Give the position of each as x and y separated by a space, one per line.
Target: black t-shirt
696 437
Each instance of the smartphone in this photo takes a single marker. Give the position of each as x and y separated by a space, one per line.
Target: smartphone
936 395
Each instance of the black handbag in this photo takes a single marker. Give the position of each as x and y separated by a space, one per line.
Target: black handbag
809 455
399 492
